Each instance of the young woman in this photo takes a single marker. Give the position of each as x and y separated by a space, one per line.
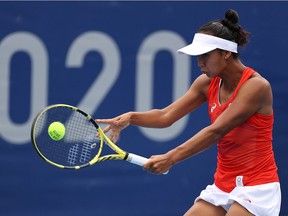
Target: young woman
240 107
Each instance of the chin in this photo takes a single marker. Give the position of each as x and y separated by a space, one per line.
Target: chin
208 75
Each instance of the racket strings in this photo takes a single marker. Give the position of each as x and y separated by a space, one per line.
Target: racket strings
80 143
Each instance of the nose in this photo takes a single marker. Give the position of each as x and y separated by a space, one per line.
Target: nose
200 60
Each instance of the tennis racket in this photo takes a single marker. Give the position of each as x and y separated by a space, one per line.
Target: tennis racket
82 143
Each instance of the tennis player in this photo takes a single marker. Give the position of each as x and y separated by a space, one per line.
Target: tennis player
240 107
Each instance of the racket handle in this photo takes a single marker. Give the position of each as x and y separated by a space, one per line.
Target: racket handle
138 160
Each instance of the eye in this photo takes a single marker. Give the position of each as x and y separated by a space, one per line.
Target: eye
204 56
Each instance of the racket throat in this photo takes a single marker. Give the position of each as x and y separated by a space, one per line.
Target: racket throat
126 156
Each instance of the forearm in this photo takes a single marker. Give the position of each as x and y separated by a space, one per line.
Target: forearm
155 118
198 143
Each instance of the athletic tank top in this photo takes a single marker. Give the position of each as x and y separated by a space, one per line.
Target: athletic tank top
246 151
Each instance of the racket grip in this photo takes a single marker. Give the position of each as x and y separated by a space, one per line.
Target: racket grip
138 160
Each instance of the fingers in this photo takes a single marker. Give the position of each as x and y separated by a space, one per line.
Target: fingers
115 126
114 136
111 127
156 165
105 121
154 170
107 128
113 121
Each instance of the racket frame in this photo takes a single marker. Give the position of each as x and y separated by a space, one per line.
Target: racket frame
121 154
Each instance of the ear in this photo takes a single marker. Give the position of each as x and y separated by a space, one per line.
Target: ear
227 54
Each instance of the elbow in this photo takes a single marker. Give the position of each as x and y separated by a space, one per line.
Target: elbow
165 120
164 123
217 133
167 123
217 136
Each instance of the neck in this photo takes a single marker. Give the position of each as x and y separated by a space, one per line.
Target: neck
231 77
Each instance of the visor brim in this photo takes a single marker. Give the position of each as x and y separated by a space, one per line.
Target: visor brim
195 50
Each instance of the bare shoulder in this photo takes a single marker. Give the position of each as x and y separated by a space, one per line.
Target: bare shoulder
258 90
201 83
259 82
196 94
203 79
257 76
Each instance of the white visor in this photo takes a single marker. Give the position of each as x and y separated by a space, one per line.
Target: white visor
203 43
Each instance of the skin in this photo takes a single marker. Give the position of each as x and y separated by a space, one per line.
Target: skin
256 92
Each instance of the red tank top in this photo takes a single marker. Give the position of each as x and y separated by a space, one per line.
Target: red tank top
246 150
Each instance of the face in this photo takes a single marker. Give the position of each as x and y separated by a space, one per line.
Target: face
212 63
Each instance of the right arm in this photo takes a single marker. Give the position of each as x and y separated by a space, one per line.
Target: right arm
160 118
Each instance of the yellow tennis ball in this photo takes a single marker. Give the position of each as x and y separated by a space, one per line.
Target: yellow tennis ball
56 131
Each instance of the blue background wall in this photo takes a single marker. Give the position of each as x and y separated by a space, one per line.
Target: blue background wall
98 55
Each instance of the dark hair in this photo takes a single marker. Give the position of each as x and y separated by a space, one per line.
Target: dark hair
227 28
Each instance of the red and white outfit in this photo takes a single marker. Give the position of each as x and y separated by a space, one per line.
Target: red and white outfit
246 169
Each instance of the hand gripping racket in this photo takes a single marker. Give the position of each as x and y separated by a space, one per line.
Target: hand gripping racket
82 141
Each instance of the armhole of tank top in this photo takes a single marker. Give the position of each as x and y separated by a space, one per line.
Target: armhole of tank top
218 93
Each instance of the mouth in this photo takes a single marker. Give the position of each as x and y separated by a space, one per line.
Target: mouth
206 73
202 69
